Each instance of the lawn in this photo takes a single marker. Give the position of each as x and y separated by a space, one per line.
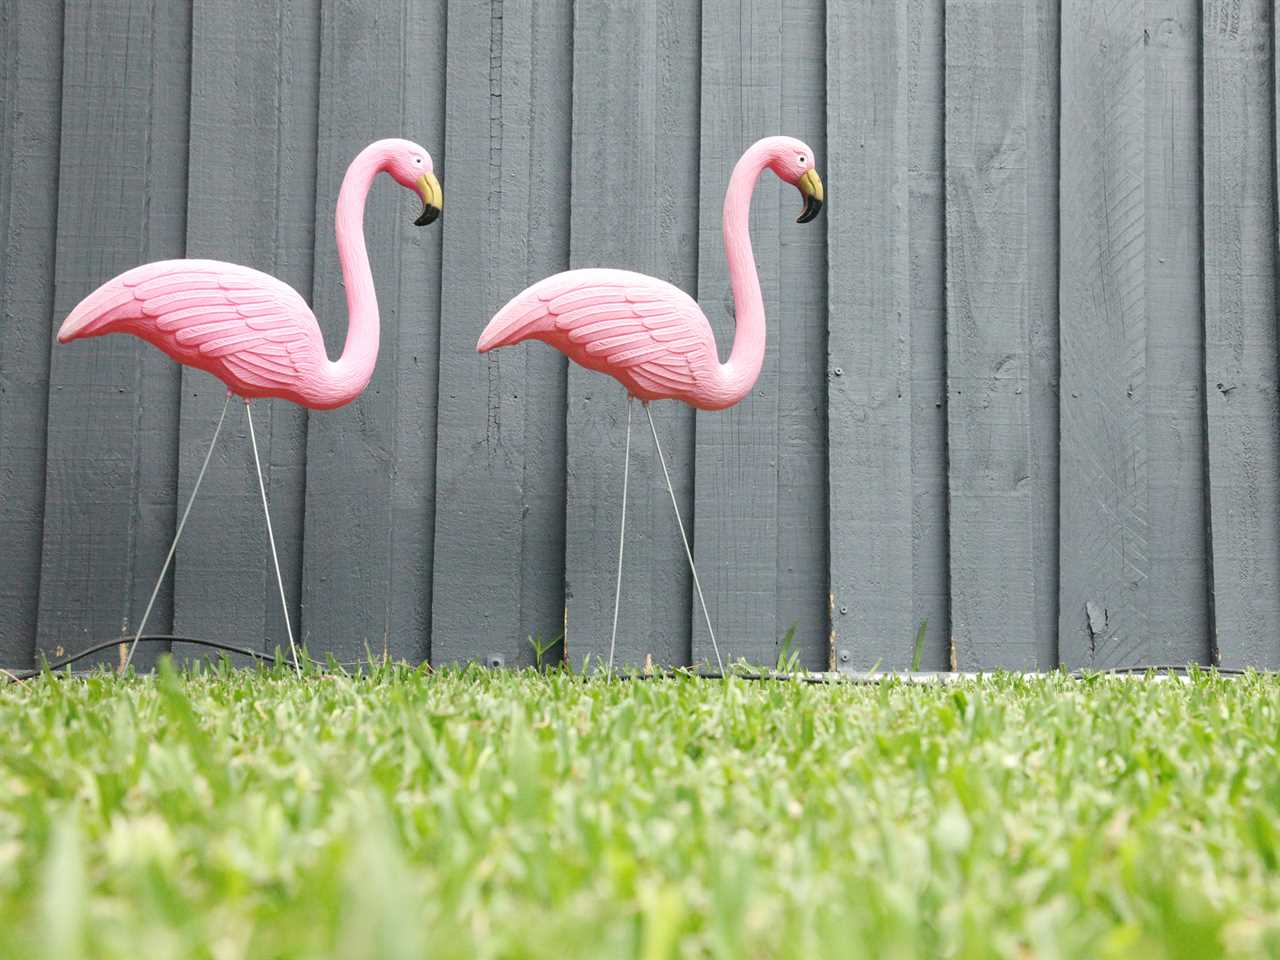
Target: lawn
484 814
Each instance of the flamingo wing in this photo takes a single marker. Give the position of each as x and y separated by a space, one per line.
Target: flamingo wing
254 332
645 332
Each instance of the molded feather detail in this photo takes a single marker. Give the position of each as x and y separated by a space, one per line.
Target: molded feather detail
251 330
615 321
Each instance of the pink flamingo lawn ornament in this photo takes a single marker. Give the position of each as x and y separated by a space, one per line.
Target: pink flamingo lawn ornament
652 337
256 333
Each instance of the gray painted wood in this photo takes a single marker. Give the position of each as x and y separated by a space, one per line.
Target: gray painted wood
1240 330
604 136
1105 568
634 206
1175 425
370 501
803 551
111 461
869 339
926 245
759 465
1042 37
30 109
992 479
499 542
255 78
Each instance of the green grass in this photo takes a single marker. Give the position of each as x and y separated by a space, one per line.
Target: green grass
490 814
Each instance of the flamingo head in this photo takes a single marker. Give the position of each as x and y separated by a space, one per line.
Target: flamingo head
793 161
410 166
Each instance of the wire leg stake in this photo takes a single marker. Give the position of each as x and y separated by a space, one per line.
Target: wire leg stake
622 537
271 537
142 625
680 523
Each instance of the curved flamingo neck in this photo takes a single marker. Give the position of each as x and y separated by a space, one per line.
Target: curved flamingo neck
350 373
747 357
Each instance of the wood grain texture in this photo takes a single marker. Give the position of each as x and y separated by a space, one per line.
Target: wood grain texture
499 543
1105 526
1041 32
993 478
255 81
635 207
869 339
30 110
111 463
1175 426
370 493
760 467
1240 329
926 246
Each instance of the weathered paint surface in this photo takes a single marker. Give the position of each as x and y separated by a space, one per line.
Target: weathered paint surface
500 440
1020 380
1104 582
870 325
30 120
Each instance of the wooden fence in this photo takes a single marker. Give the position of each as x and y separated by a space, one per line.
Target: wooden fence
1021 379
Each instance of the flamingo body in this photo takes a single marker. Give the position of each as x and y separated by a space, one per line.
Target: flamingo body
253 332
649 335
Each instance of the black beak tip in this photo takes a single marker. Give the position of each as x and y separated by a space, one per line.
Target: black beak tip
429 215
812 207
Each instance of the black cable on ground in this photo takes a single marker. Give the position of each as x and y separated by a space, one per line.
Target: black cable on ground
27 674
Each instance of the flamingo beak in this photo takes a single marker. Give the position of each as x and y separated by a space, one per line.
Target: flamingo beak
432 199
810 185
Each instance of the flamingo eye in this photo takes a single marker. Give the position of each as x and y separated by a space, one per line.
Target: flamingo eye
418 161
802 160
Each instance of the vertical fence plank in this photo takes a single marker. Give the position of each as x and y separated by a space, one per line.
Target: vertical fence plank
1042 29
635 206
992 479
926 239
370 494
1240 329
1103 599
252 200
30 110
499 543
803 559
869 338
751 481
111 463
1179 620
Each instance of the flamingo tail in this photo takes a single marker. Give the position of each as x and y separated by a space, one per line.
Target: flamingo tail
512 323
95 312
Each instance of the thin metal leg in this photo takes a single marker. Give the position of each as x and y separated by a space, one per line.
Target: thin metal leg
680 523
142 625
271 537
622 537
